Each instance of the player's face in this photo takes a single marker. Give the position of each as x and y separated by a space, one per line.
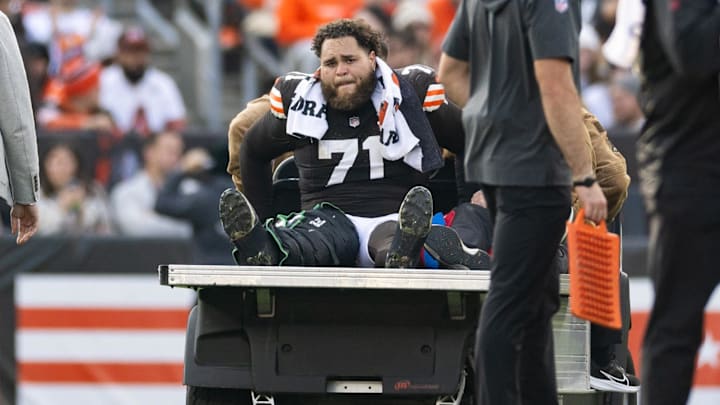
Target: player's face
347 73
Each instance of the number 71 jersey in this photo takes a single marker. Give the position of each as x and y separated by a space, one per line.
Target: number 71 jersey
346 167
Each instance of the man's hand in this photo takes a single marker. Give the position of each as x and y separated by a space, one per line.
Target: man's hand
478 198
23 222
593 201
195 160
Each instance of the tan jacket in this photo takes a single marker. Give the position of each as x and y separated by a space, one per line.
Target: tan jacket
239 127
237 130
610 167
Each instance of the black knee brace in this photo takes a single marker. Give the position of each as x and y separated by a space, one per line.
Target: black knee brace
323 236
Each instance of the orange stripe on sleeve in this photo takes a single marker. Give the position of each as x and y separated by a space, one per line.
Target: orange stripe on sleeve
433 103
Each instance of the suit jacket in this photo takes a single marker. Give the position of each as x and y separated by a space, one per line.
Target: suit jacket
19 181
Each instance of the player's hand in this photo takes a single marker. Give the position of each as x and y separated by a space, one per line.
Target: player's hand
23 222
593 201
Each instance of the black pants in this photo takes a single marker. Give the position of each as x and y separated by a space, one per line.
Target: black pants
515 360
682 258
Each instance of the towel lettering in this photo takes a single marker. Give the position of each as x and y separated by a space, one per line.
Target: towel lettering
392 138
307 107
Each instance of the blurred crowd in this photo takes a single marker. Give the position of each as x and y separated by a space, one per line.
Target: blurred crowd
89 73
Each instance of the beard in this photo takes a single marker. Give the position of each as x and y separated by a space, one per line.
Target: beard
348 102
134 75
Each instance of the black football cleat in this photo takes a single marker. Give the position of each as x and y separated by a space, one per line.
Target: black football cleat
253 244
414 221
444 245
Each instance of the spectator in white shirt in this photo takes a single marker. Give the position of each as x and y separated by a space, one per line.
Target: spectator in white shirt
133 200
140 98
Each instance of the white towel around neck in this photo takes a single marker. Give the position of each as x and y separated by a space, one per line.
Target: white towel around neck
387 97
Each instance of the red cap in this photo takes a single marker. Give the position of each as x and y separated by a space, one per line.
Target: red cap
80 79
134 38
76 78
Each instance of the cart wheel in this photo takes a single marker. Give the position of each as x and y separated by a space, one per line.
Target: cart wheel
217 396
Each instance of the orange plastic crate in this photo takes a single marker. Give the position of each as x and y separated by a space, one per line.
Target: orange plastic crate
594 256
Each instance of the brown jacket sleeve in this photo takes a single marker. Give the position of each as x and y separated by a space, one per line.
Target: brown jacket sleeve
237 130
609 164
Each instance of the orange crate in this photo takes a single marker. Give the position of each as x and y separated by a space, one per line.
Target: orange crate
594 255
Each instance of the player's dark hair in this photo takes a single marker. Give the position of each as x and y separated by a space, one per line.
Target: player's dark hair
364 34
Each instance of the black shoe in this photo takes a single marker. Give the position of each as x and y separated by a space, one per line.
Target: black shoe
445 246
414 221
613 378
253 244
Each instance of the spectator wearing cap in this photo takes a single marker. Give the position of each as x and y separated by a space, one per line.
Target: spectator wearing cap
70 103
71 99
140 98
